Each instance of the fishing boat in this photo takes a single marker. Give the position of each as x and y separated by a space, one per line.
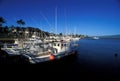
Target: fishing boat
64 48
11 52
20 46
54 51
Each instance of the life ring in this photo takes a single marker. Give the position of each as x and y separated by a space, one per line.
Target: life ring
52 57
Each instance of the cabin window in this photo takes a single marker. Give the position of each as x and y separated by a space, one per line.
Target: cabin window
58 44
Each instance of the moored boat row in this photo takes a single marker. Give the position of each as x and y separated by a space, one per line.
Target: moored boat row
36 51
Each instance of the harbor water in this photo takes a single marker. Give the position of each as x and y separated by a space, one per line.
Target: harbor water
95 60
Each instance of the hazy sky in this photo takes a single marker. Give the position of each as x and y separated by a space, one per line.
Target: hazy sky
89 17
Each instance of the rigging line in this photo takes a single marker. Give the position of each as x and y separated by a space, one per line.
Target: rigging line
38 24
45 18
34 21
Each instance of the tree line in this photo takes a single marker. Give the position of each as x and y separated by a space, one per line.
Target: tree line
19 31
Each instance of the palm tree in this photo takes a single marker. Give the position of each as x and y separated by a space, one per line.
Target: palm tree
1 21
20 22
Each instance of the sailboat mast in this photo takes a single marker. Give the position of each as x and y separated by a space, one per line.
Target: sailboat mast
65 22
56 20
75 32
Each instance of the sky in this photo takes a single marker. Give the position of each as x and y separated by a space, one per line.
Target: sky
87 17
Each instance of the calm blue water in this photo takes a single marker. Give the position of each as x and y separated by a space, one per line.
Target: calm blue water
97 57
99 52
95 60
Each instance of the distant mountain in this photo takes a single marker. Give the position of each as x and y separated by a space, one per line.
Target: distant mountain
110 36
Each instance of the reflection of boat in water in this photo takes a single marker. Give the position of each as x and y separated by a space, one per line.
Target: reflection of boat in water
95 38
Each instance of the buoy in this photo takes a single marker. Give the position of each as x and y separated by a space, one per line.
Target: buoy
52 57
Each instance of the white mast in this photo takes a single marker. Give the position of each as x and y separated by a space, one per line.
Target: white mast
65 23
75 32
56 20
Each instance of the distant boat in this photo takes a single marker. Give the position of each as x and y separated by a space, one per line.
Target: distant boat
95 38
76 39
